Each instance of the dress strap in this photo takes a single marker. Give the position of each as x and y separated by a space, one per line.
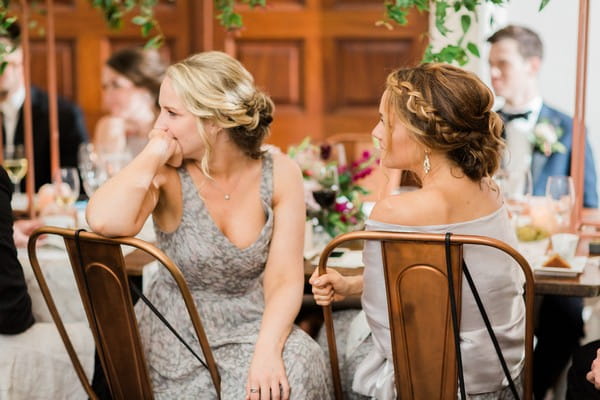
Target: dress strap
266 184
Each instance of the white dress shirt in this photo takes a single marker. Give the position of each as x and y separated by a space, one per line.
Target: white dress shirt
519 137
10 112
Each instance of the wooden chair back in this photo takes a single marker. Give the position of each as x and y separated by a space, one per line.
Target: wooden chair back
421 327
101 278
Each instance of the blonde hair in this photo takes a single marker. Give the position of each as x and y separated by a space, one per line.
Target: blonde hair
216 87
449 109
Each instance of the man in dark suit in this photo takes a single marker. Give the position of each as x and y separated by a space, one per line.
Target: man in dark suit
539 137
15 303
12 96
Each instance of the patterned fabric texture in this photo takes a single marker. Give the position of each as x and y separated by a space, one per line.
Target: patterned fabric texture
226 284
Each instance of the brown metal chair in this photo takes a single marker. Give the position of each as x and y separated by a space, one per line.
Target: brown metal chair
101 277
421 327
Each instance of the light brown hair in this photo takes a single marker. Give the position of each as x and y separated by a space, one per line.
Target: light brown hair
529 43
448 109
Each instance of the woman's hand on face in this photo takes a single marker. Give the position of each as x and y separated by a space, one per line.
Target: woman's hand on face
266 377
164 145
329 287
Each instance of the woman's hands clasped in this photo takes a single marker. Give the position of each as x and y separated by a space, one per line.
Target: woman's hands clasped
267 379
165 146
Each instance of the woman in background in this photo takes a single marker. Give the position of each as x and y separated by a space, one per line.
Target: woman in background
436 121
231 216
131 81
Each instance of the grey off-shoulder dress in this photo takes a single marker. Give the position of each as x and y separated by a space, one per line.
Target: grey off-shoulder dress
226 284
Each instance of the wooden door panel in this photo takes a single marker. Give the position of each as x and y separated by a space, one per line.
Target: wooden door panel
262 57
65 66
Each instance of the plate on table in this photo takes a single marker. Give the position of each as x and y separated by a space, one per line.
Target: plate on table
577 266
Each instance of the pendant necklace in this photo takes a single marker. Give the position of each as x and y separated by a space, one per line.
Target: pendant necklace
226 195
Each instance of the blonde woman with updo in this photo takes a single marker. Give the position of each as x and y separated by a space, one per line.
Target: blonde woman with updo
436 120
232 218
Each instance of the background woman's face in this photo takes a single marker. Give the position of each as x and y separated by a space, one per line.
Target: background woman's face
120 96
398 150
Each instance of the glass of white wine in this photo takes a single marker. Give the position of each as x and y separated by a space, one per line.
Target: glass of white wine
66 187
15 165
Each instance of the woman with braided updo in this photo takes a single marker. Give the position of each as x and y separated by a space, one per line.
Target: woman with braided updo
436 121
231 216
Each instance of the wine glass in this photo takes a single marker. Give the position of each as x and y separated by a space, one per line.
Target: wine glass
326 192
91 166
66 187
516 188
15 165
561 192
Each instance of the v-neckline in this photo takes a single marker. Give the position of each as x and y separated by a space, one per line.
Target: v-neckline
266 208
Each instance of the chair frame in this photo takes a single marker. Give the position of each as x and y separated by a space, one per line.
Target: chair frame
104 272
457 242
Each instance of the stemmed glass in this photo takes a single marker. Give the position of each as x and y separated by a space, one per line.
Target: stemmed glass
326 193
93 173
561 192
66 187
15 165
516 187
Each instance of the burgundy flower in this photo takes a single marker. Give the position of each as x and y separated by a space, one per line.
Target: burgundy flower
366 154
341 207
325 151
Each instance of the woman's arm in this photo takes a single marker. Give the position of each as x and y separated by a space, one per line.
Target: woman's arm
122 204
283 280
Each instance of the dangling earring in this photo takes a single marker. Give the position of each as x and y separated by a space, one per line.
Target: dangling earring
426 163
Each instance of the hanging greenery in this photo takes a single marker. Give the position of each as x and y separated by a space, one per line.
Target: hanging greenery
395 13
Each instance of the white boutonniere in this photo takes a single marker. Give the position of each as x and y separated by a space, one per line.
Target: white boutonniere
546 137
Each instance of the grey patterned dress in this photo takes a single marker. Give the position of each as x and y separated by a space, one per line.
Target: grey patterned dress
226 284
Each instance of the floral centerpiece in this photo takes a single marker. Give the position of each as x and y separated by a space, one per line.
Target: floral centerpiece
343 212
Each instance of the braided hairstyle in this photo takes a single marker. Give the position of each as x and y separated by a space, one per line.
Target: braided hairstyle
448 109
214 86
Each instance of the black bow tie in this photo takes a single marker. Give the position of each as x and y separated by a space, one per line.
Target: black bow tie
507 117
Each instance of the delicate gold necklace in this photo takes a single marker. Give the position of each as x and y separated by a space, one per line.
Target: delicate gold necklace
226 194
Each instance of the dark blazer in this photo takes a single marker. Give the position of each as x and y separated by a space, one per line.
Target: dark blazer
15 303
543 167
71 126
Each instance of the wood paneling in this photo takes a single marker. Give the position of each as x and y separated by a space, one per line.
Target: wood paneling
324 62
84 42
65 66
362 67
343 59
264 57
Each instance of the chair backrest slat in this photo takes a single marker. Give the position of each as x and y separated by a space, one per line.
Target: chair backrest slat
421 331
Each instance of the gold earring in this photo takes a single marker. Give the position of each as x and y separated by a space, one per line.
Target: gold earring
426 163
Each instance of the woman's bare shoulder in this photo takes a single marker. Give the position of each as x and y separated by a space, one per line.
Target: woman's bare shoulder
418 207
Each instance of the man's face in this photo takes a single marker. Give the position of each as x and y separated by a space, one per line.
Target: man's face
12 77
511 73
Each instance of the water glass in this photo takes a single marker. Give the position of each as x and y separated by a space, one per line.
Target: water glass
516 188
561 192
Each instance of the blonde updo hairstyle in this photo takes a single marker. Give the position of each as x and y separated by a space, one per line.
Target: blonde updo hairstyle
216 87
448 109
